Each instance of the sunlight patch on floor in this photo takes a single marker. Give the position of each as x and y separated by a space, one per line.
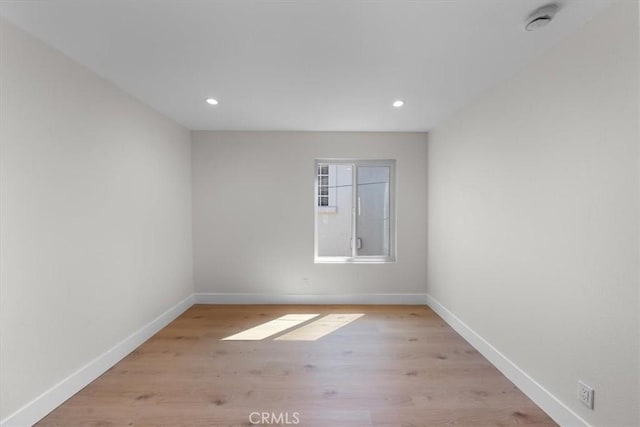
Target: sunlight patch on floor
319 328
272 327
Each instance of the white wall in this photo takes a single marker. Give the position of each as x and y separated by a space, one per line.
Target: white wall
533 217
95 216
253 204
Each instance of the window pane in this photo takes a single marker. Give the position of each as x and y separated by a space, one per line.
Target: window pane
324 180
324 191
334 228
372 221
324 170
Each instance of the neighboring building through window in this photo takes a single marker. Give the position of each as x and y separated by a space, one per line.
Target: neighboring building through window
354 219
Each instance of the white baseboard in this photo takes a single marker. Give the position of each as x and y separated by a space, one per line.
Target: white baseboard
35 410
396 299
557 410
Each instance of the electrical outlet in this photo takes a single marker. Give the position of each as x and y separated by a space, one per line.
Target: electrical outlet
585 394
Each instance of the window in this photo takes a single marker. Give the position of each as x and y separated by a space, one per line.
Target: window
354 211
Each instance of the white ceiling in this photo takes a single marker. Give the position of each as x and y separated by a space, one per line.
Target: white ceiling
331 65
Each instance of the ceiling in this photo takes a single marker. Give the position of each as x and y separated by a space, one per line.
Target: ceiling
317 65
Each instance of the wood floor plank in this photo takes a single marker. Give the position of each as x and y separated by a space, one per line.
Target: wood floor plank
270 328
321 327
393 366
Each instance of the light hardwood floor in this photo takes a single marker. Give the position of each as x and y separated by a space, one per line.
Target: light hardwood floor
394 366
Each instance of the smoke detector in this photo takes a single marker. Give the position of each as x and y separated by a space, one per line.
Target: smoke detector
541 17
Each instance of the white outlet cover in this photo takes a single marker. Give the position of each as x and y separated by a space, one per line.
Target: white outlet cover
585 394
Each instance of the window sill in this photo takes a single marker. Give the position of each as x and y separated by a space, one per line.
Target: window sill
350 260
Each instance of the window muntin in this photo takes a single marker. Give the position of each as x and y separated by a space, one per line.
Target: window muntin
357 222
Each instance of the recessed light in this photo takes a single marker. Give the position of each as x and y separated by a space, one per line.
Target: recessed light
212 101
399 103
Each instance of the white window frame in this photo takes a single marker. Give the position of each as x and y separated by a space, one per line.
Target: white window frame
355 258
